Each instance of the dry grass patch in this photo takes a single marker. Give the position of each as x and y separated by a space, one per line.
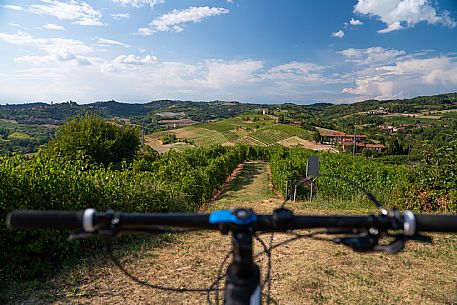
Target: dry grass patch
296 141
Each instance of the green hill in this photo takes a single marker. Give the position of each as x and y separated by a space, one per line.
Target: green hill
252 129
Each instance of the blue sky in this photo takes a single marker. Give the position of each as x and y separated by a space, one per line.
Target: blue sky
264 51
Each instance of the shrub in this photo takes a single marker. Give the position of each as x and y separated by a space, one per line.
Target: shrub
93 138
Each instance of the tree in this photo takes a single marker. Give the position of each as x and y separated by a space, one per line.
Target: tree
395 148
168 138
91 137
317 136
282 118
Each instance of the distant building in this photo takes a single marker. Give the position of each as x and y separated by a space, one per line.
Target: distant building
390 128
176 123
376 112
377 147
347 141
340 137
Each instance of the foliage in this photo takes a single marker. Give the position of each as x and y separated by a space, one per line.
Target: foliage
427 118
168 138
432 187
96 139
170 182
380 178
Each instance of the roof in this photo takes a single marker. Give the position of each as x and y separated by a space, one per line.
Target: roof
374 146
349 143
333 134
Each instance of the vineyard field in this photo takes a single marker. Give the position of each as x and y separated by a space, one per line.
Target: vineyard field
255 130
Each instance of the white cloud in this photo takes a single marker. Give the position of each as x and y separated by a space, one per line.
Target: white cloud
373 87
431 71
174 20
402 14
299 72
339 34
135 60
355 22
109 42
223 74
387 74
79 12
56 49
49 59
52 26
120 16
139 3
371 55
13 7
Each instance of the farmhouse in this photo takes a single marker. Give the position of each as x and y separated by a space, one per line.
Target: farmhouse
340 137
347 141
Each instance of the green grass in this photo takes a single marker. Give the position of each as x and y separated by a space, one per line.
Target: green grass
250 185
248 140
270 136
263 132
224 125
294 131
357 205
18 136
231 136
210 140
408 120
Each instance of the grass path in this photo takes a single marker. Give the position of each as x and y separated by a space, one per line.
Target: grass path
304 272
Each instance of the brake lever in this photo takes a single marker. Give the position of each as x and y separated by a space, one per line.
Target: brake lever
363 243
399 243
369 242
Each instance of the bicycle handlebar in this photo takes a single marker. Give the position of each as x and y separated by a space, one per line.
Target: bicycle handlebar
436 223
32 219
90 221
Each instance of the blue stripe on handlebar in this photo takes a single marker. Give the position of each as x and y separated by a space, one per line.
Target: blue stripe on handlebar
228 216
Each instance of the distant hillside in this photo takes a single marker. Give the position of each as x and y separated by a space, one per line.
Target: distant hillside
250 129
38 121
205 111
412 105
198 111
430 117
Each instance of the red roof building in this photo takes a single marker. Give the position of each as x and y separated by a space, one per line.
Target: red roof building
347 141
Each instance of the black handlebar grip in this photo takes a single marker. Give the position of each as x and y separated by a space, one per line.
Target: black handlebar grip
60 220
436 223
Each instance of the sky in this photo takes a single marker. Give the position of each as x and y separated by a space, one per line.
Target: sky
259 51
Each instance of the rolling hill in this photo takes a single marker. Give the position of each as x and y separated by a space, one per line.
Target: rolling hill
253 129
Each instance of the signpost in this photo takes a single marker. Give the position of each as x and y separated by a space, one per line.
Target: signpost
312 172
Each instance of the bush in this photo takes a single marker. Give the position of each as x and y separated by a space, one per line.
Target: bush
93 138
432 186
375 176
168 183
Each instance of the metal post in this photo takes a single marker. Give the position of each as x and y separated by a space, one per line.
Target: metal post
287 189
311 192
295 192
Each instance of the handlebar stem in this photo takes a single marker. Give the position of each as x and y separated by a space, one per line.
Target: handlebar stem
243 275
242 251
